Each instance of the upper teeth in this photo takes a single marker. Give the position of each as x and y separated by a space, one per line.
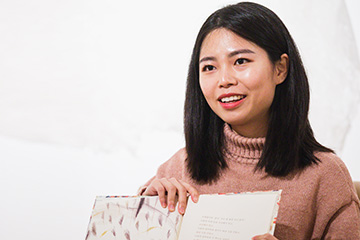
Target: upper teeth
232 98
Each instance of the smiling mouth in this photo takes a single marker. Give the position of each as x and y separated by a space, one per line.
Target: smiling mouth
231 99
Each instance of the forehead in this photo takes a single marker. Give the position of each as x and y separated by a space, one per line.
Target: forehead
222 40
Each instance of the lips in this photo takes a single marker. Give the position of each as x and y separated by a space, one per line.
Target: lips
232 100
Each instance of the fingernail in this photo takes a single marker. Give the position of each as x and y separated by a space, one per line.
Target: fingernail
181 209
171 207
163 204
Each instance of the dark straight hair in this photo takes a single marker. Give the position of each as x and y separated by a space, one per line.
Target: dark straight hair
290 142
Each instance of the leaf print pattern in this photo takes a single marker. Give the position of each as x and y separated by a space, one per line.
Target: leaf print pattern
131 219
121 220
93 230
127 235
160 220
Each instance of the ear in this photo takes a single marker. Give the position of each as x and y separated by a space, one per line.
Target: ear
281 68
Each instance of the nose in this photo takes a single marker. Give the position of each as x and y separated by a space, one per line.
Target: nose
227 79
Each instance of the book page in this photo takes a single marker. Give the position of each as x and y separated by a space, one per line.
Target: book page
230 216
130 218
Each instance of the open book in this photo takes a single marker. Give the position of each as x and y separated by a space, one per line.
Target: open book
215 216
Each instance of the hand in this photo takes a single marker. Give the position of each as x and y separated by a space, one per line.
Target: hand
170 191
266 236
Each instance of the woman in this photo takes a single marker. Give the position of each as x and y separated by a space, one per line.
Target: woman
247 129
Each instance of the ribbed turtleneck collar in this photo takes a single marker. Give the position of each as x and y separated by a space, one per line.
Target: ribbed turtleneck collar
243 149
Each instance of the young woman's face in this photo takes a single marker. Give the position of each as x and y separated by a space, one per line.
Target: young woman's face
238 81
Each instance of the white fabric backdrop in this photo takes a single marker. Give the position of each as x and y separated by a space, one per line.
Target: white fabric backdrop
92 93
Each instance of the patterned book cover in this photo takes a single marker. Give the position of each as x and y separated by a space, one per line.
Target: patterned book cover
130 218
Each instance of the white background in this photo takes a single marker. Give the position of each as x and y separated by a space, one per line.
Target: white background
92 92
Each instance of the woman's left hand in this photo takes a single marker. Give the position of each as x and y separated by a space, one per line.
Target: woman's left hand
266 236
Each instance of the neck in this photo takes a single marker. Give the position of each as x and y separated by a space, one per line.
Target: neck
250 131
254 128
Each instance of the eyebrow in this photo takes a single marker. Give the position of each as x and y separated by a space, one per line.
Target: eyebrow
236 52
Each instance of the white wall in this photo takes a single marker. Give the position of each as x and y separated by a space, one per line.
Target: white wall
351 143
91 98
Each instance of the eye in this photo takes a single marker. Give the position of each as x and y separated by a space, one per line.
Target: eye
208 68
241 61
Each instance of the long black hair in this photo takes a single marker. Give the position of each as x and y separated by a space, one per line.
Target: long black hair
290 142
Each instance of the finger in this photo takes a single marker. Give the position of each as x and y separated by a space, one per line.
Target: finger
266 236
192 191
171 193
182 195
157 188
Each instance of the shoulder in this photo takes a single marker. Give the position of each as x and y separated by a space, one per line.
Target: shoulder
330 160
174 167
332 167
334 176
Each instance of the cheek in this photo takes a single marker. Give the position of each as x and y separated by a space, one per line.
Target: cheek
262 92
206 87
261 82
265 96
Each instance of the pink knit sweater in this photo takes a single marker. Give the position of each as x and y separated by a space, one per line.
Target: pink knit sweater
319 202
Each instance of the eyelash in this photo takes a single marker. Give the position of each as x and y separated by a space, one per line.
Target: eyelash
208 68
244 60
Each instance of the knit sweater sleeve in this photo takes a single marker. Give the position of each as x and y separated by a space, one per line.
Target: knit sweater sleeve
338 212
173 168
